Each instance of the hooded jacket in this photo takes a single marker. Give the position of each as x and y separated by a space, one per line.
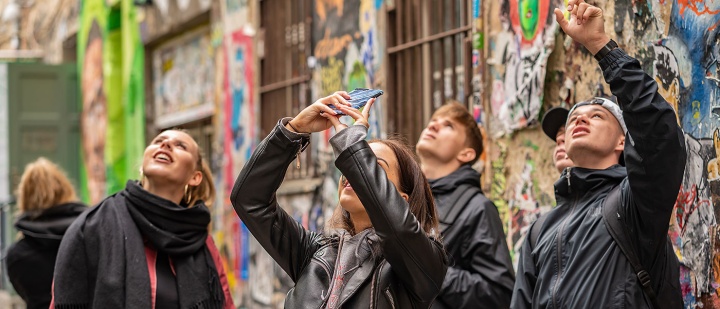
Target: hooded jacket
31 260
575 262
480 274
406 272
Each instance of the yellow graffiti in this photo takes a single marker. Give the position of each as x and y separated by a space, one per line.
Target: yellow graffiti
331 76
329 47
695 112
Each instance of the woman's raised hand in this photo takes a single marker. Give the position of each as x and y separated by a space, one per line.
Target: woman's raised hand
361 118
317 117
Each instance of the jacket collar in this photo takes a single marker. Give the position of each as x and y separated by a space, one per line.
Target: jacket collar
579 181
463 175
368 241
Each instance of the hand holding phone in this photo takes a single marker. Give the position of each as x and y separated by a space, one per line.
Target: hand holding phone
359 98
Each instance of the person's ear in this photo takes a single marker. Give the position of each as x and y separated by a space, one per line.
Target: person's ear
621 144
466 155
405 196
196 179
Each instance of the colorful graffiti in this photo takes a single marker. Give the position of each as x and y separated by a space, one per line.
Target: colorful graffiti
112 97
183 79
682 57
347 51
521 52
239 141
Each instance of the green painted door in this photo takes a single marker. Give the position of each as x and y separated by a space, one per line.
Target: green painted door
43 112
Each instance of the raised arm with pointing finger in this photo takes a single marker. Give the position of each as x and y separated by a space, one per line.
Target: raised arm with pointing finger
575 262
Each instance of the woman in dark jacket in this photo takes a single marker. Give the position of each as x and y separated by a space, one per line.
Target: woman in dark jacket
147 246
383 250
48 205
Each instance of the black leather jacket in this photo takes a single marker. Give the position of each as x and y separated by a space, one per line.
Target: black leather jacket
407 274
575 262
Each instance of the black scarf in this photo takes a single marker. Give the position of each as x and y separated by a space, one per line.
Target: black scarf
119 227
49 225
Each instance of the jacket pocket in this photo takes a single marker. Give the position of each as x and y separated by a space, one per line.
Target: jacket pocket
324 264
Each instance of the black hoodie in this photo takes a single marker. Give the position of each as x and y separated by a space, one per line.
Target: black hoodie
31 261
480 273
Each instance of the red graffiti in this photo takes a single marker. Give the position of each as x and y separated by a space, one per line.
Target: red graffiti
686 204
693 6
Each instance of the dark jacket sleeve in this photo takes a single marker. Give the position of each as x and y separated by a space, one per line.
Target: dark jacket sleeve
654 149
487 277
254 200
419 261
525 279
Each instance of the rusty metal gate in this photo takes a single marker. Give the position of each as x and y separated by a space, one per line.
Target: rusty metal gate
284 74
429 49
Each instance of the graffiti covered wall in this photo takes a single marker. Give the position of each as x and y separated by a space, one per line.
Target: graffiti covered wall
111 97
522 49
348 50
685 62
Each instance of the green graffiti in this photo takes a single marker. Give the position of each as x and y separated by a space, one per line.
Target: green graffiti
356 79
528 143
529 12
498 185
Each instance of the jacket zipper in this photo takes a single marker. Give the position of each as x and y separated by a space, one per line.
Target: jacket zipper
559 241
390 298
375 283
332 275
297 164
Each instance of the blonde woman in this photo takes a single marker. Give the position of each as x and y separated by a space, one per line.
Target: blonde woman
48 205
148 245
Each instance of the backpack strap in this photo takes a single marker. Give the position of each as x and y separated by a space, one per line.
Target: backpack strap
619 232
460 198
534 232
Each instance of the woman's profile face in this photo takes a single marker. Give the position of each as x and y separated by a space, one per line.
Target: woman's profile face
171 157
387 160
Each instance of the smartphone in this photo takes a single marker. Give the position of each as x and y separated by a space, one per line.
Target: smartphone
359 98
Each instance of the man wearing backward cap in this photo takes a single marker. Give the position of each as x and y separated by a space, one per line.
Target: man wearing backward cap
573 261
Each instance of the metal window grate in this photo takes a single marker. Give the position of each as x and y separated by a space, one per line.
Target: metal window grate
284 74
429 46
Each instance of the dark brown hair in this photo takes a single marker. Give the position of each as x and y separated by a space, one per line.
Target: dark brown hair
459 113
412 182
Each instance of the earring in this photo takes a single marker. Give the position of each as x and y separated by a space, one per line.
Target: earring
189 195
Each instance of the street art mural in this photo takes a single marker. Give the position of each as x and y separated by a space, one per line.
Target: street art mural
347 52
239 140
520 53
681 53
183 80
111 98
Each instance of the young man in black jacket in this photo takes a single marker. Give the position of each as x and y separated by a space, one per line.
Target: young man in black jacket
480 273
575 262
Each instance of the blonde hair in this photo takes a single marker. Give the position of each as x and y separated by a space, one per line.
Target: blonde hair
42 186
205 191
